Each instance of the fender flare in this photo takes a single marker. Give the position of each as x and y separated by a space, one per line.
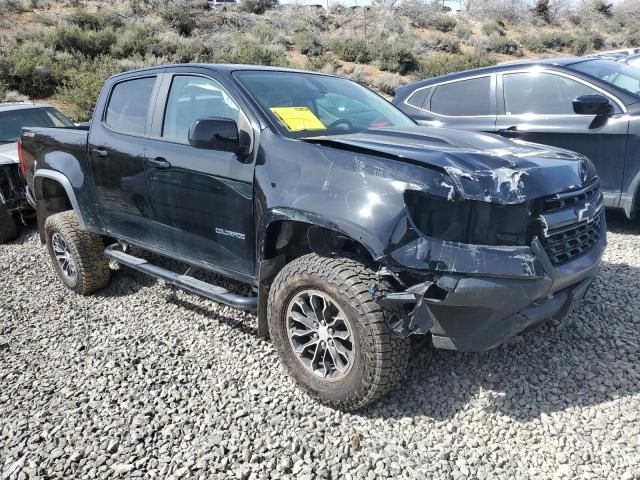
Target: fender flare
66 184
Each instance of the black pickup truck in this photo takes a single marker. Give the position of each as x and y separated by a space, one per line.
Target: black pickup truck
355 227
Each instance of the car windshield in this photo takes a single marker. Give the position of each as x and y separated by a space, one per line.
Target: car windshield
12 121
305 104
619 74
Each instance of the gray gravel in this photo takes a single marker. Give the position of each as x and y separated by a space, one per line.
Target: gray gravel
141 380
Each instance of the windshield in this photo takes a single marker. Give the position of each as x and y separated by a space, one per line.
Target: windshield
304 104
12 121
621 75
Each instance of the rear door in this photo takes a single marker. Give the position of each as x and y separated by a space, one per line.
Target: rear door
201 200
537 106
468 104
116 155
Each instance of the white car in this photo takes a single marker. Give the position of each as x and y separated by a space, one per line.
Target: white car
14 203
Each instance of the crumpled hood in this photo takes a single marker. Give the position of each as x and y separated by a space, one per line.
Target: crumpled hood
481 166
8 153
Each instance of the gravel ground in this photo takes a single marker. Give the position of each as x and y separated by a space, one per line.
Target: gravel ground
141 380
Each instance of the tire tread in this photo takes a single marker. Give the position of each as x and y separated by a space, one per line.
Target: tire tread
88 249
387 362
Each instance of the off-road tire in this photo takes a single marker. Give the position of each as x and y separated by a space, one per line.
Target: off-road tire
380 358
8 227
87 252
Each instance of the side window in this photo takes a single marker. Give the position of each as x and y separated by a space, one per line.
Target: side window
129 105
191 98
463 98
418 97
541 93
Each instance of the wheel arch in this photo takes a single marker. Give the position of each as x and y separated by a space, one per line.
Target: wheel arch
289 234
53 193
294 236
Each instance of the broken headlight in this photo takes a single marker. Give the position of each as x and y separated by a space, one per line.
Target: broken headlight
469 221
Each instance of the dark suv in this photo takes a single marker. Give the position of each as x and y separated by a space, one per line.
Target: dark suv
588 105
352 227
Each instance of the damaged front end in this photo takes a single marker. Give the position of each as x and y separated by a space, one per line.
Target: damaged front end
488 261
480 236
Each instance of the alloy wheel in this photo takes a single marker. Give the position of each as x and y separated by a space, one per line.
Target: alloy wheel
63 257
320 335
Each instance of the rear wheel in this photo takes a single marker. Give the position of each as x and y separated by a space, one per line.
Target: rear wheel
77 255
8 227
330 333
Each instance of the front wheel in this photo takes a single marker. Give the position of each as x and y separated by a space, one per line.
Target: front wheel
77 255
330 333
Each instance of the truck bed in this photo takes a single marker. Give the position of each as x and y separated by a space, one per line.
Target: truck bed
53 145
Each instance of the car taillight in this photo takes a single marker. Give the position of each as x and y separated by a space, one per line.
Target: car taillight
20 159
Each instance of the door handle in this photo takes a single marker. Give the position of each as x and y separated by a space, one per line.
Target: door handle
159 163
510 131
100 152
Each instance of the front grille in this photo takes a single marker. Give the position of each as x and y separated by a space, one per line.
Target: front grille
567 243
563 242
565 200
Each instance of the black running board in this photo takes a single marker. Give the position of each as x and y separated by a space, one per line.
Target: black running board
187 282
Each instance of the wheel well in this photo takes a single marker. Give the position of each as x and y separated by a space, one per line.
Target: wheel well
287 240
51 197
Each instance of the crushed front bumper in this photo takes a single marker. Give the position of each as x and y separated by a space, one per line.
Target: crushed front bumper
480 314
481 308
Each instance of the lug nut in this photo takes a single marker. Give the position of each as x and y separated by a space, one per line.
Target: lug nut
331 331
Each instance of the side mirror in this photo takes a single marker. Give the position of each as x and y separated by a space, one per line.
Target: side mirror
598 105
219 134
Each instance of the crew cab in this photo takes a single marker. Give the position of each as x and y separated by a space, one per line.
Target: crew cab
14 204
353 227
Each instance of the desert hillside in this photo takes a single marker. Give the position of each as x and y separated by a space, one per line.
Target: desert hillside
61 51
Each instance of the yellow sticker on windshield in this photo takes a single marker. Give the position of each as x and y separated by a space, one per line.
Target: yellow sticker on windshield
297 119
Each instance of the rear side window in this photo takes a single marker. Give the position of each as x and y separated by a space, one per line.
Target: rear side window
418 97
129 106
463 98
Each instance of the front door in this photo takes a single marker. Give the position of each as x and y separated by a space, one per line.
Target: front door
116 154
538 107
201 200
